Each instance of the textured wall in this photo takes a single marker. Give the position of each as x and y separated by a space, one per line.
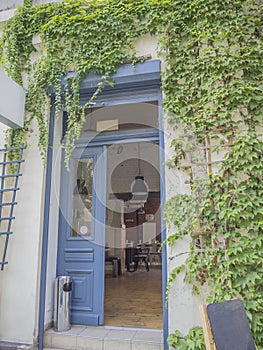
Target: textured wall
9 4
19 280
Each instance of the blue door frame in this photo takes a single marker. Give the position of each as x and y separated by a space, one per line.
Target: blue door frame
145 77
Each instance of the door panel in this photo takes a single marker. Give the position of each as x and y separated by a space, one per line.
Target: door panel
81 246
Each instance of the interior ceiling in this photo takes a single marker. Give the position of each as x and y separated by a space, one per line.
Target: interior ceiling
129 160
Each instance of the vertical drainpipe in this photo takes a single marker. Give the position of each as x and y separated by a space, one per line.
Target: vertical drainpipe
164 247
43 274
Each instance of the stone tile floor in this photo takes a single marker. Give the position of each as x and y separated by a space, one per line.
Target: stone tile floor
103 338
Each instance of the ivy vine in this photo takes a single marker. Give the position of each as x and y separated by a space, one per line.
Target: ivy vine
77 36
194 340
213 88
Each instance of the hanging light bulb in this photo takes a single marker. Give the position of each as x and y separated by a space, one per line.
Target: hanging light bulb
139 188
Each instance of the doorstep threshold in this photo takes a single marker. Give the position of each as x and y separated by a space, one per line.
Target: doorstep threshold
104 338
134 329
5 345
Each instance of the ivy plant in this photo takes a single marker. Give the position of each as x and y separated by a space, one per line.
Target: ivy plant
214 88
212 85
75 36
193 341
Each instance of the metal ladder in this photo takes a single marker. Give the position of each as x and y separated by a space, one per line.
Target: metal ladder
9 175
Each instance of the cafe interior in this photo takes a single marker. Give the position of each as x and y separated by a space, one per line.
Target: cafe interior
133 258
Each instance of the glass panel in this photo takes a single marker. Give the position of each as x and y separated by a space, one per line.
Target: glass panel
121 117
82 198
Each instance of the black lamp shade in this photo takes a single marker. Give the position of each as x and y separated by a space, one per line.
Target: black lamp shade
139 190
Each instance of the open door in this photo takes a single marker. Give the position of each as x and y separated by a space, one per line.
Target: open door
81 245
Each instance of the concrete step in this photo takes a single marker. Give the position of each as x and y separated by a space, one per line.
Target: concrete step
14 346
103 338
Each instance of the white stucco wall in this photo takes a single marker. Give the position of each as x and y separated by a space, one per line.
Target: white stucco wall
183 306
9 4
2 138
19 280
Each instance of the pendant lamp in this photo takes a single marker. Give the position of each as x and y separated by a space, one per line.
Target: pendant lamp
139 188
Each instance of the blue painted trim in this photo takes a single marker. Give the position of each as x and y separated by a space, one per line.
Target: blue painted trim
108 137
102 222
128 75
128 81
164 247
43 273
123 95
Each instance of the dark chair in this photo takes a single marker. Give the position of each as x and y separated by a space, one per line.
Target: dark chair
116 264
141 257
134 255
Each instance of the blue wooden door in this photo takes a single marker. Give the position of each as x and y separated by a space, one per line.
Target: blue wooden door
81 245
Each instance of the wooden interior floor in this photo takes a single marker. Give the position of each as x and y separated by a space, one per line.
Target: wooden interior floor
134 299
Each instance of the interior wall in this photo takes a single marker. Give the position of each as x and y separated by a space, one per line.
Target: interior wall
121 220
115 234
151 214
